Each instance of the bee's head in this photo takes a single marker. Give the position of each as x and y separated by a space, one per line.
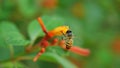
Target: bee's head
69 32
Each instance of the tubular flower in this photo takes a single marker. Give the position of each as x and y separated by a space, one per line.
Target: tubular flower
75 49
80 51
58 31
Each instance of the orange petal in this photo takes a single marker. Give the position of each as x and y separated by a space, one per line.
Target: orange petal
80 51
77 50
42 25
59 30
39 54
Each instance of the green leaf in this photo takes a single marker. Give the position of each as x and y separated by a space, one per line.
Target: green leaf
10 35
51 22
5 53
34 30
27 7
13 65
57 50
59 59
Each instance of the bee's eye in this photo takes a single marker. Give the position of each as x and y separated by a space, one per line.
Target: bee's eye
69 31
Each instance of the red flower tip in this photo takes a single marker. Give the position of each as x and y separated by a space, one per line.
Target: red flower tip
54 41
75 49
44 43
39 54
42 25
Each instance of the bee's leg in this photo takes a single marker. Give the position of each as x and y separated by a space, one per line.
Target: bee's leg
63 35
62 32
63 38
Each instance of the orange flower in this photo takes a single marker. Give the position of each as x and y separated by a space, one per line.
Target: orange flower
76 49
116 45
57 32
50 4
80 51
78 10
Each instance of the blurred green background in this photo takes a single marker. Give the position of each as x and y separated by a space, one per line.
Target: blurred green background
95 25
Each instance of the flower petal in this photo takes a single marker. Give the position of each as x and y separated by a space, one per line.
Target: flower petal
80 51
59 30
42 25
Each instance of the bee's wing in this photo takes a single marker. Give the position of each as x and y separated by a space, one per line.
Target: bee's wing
77 40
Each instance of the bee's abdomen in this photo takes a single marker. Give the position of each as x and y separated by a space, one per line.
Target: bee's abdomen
69 44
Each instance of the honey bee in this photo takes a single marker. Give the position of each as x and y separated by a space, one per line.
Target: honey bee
68 39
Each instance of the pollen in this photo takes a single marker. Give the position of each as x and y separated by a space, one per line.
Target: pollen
58 31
